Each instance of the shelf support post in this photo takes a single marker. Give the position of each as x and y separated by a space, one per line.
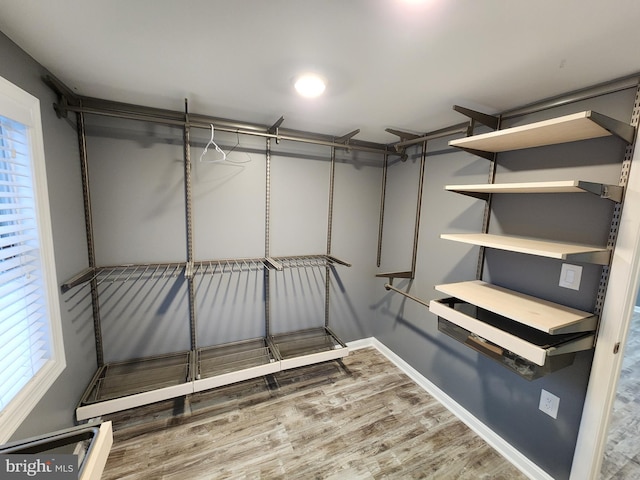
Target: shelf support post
327 276
88 222
617 209
416 232
189 226
383 190
267 244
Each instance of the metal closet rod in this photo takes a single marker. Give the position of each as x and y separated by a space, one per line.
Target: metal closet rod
70 102
539 106
204 122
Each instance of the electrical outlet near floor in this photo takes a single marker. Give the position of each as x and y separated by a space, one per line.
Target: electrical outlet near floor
549 403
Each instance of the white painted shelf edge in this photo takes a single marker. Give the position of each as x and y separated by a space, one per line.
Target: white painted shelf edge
548 317
568 128
543 248
611 192
508 341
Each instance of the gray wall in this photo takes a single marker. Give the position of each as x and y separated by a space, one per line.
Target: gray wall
502 400
56 409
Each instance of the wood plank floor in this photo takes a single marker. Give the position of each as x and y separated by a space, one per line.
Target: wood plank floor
622 452
356 419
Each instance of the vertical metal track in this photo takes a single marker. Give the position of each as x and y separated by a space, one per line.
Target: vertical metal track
617 211
267 241
486 217
88 222
383 191
327 277
189 226
416 232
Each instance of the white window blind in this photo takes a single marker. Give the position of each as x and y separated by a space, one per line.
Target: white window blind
31 352
24 334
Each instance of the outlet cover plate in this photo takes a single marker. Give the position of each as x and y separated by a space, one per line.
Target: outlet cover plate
549 403
570 276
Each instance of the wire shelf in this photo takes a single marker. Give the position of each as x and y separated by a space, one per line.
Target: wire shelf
307 261
306 342
121 379
220 359
151 271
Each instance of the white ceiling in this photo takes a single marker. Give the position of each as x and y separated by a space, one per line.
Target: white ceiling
390 63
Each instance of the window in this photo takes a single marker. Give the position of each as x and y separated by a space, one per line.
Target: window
31 350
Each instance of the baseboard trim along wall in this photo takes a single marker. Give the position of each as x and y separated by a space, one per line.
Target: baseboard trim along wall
505 449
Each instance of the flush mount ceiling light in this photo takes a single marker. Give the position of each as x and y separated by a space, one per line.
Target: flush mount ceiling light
309 85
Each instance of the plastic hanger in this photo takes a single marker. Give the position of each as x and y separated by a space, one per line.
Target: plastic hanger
218 149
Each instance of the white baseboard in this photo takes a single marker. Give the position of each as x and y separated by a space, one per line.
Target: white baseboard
520 461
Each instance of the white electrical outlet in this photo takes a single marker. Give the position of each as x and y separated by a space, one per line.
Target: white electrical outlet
570 276
549 403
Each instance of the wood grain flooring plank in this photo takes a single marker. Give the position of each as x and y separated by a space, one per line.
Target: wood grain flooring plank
358 418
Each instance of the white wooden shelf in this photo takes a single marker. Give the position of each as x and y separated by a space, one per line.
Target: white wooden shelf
535 347
569 128
543 248
611 192
548 317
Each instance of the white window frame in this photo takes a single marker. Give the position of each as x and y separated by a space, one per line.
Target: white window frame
23 107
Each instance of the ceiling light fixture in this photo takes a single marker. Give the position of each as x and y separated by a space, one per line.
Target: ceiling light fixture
310 85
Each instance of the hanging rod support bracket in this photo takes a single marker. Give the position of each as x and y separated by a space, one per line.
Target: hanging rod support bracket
346 138
404 136
65 95
392 275
490 121
275 128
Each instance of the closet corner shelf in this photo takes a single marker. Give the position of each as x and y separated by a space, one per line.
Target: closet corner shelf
610 192
542 248
569 128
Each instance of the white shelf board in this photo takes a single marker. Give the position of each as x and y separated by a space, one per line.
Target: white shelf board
612 192
568 128
548 317
543 248
505 340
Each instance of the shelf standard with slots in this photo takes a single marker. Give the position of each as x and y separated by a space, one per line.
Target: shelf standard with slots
569 128
543 248
610 192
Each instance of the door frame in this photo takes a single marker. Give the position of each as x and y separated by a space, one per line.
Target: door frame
617 312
